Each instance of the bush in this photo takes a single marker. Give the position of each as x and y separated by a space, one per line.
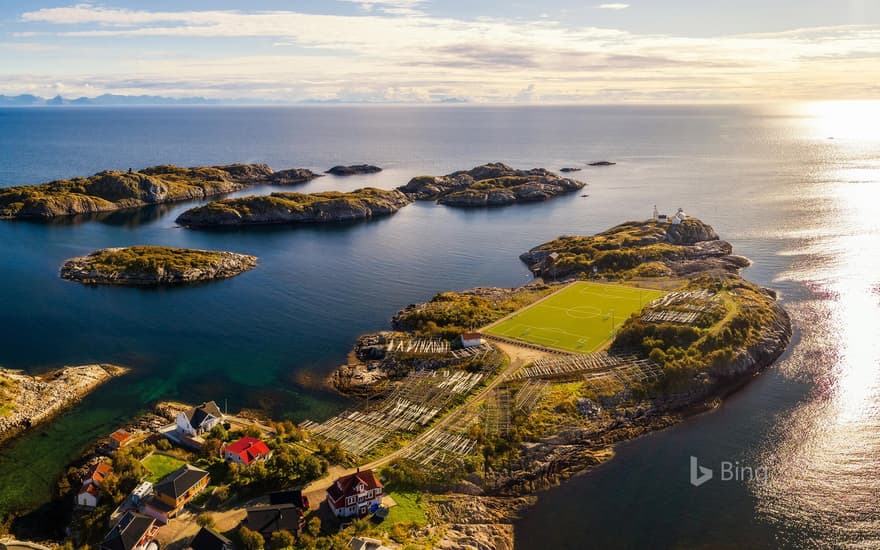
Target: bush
282 539
251 540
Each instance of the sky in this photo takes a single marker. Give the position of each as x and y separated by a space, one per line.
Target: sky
429 51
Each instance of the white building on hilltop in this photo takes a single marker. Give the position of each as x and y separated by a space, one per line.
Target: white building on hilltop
679 217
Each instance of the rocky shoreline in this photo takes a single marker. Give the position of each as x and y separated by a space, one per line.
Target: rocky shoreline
494 184
152 265
31 400
115 190
296 208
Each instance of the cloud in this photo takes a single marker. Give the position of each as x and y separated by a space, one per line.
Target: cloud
382 55
391 7
612 6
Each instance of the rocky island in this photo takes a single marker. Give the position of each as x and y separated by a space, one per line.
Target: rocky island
26 401
494 184
296 208
114 190
708 334
353 169
155 265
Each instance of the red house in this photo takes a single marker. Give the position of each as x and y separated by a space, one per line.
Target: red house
356 494
246 451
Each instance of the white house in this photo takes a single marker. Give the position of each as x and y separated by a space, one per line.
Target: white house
356 494
679 217
90 492
471 339
87 497
199 420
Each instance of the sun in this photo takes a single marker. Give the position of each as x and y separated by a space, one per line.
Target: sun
857 120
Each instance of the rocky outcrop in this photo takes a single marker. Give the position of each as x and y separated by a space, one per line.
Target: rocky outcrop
569 169
30 400
603 163
690 232
114 190
154 265
680 249
494 184
353 169
296 208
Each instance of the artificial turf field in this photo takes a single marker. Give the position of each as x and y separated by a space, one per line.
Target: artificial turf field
577 318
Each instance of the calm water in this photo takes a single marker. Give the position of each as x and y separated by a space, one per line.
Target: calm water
802 206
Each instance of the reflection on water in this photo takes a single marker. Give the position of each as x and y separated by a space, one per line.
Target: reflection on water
825 455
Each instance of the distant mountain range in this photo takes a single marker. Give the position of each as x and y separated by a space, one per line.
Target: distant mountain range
28 100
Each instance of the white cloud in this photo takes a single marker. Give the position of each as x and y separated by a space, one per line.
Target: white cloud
372 56
612 6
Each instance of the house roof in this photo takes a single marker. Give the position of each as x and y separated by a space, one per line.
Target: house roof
208 539
198 415
180 481
293 496
97 473
268 519
120 436
471 335
347 485
249 449
91 489
128 532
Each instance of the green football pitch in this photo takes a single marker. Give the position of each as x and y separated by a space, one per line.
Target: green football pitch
579 318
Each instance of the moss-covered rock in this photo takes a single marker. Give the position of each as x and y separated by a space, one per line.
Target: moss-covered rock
634 249
154 265
296 208
494 184
113 190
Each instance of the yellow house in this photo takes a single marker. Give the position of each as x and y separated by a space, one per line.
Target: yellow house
174 491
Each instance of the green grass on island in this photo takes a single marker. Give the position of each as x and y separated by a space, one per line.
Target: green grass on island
153 258
408 510
580 318
160 465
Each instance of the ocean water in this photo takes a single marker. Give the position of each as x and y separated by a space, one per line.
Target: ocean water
802 206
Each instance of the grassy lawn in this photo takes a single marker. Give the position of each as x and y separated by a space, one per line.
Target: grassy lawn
408 510
160 466
580 318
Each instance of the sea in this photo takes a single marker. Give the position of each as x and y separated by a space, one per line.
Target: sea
795 454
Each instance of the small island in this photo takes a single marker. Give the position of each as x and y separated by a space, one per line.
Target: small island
114 190
296 208
568 169
155 265
602 163
494 184
353 169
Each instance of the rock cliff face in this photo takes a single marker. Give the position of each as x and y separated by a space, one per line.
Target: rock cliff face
493 184
690 232
153 265
296 208
636 248
113 190
354 169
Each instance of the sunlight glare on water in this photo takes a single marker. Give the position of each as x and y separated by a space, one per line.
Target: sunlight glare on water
824 455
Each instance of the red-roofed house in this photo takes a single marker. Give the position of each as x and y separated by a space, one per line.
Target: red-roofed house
91 488
246 451
120 438
356 494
